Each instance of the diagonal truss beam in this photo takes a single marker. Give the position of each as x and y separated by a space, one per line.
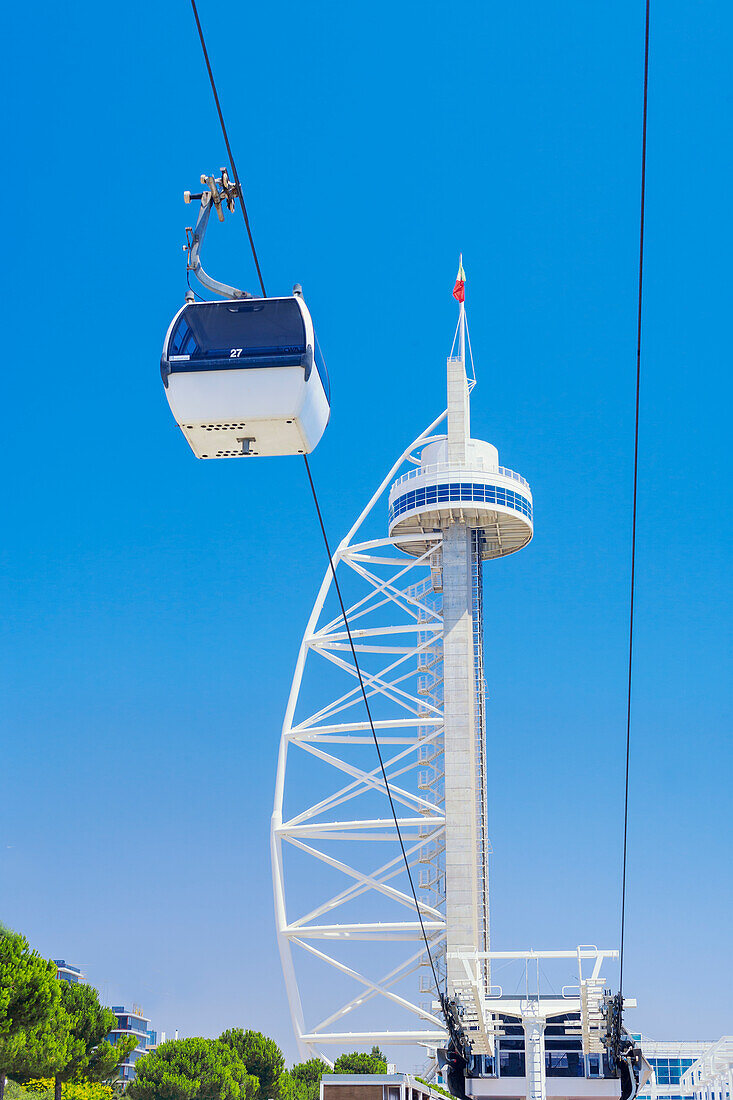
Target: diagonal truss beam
364 781
381 875
368 881
409 966
374 987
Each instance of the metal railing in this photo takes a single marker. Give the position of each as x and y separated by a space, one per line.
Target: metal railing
444 467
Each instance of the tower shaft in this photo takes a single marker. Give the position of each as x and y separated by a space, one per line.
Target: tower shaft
466 897
466 843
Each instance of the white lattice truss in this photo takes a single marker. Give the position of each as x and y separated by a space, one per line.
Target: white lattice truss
711 1076
401 666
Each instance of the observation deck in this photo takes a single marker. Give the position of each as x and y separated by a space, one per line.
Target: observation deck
481 494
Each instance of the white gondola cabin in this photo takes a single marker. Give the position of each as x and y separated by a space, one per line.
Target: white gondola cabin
245 377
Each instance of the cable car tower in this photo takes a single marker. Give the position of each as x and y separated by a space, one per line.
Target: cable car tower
415 606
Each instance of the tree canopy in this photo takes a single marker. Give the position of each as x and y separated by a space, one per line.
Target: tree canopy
29 1007
89 1055
303 1081
360 1062
192 1069
262 1057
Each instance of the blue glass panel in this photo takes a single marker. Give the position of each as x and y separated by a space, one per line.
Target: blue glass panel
511 1064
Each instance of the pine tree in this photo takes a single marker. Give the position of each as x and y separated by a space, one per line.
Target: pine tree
262 1057
89 1054
192 1069
29 1005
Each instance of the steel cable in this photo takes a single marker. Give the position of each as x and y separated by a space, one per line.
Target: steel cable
240 192
320 516
636 481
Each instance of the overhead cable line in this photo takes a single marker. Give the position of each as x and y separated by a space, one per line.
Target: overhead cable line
320 520
636 480
229 148
371 722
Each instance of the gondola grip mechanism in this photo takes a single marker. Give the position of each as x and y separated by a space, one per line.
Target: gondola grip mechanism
218 189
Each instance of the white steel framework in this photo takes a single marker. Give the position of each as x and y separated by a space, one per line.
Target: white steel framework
395 616
711 1076
414 606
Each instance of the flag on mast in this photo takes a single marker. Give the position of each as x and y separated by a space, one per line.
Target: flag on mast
459 290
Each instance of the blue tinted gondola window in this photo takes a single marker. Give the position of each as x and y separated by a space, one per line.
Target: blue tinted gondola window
218 330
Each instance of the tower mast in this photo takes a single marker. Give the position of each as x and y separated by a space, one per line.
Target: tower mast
466 842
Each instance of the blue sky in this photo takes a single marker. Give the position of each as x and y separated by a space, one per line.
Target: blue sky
153 605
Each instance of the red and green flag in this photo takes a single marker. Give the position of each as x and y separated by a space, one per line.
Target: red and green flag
459 290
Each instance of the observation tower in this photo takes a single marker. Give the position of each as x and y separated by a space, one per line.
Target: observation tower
352 936
481 510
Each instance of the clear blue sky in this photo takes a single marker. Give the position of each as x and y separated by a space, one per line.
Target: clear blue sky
152 606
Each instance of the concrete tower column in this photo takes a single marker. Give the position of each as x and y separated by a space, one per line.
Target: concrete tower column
461 840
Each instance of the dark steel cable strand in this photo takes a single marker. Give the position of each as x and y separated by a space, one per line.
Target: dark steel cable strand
371 721
318 509
636 479
240 192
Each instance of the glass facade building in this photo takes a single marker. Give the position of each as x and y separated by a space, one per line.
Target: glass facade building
669 1061
131 1021
65 972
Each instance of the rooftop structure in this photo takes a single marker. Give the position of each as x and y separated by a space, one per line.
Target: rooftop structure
68 973
375 1086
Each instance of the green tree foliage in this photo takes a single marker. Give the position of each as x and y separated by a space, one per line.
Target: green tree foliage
192 1069
310 1072
360 1062
290 1089
43 1048
303 1081
262 1057
89 1055
29 999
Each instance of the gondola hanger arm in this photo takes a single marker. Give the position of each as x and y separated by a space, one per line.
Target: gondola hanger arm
218 192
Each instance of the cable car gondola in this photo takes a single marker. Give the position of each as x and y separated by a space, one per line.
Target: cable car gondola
244 376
